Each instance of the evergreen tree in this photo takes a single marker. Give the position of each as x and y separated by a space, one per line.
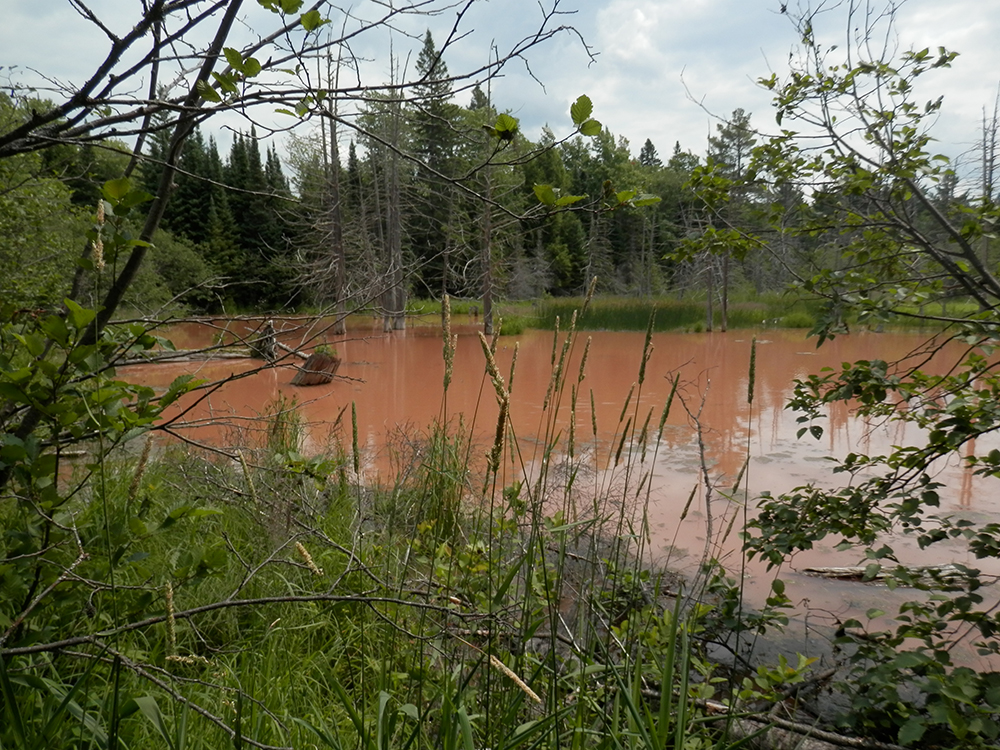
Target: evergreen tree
648 157
434 142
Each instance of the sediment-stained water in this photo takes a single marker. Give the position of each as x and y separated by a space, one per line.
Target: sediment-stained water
395 382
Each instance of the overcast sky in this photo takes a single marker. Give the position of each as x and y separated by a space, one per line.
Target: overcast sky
663 69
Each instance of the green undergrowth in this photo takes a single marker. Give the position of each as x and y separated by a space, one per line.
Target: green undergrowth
261 596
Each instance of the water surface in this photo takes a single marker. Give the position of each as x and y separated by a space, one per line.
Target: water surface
395 383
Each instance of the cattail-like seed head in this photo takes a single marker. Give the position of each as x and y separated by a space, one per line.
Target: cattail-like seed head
497 451
572 423
513 363
304 554
450 342
97 250
590 295
583 361
168 596
667 405
494 373
133 488
753 370
647 348
593 414
247 475
497 664
354 439
188 660
644 434
628 400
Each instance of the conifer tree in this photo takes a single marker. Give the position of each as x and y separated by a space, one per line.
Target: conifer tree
434 142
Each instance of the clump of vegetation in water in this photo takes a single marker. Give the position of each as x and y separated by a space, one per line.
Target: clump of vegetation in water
632 314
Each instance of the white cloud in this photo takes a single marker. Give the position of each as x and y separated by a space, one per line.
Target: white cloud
663 66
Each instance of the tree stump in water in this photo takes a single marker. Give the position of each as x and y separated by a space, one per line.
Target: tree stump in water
266 344
319 369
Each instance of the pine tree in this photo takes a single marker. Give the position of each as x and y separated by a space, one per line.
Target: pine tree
648 157
434 143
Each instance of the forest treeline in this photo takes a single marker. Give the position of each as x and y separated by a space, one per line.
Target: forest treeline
425 200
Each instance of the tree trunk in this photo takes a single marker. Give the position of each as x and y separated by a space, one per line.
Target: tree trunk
710 299
486 257
725 293
396 296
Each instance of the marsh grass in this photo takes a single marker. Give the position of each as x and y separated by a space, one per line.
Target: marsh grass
494 596
633 314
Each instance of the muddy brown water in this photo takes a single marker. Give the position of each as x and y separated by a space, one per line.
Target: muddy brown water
395 382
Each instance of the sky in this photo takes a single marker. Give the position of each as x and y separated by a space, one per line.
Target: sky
666 70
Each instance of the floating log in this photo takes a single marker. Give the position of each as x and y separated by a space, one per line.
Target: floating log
319 369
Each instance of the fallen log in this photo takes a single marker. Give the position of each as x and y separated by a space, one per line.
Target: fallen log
157 356
318 369
290 350
863 573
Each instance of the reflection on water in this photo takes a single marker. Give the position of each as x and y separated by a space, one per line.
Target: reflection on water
396 383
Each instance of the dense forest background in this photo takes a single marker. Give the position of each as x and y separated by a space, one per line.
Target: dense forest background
408 204
425 200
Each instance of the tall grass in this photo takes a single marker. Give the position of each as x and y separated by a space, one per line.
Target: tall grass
487 597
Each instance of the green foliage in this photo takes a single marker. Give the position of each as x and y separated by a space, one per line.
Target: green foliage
891 249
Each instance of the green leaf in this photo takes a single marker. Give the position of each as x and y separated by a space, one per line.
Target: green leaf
545 194
16 723
226 82
645 199
912 730
136 197
591 128
410 710
506 123
290 6
569 200
147 705
312 20
234 58
581 109
205 90
55 328
778 586
115 190
251 67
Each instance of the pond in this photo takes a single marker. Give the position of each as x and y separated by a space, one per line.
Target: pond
395 383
